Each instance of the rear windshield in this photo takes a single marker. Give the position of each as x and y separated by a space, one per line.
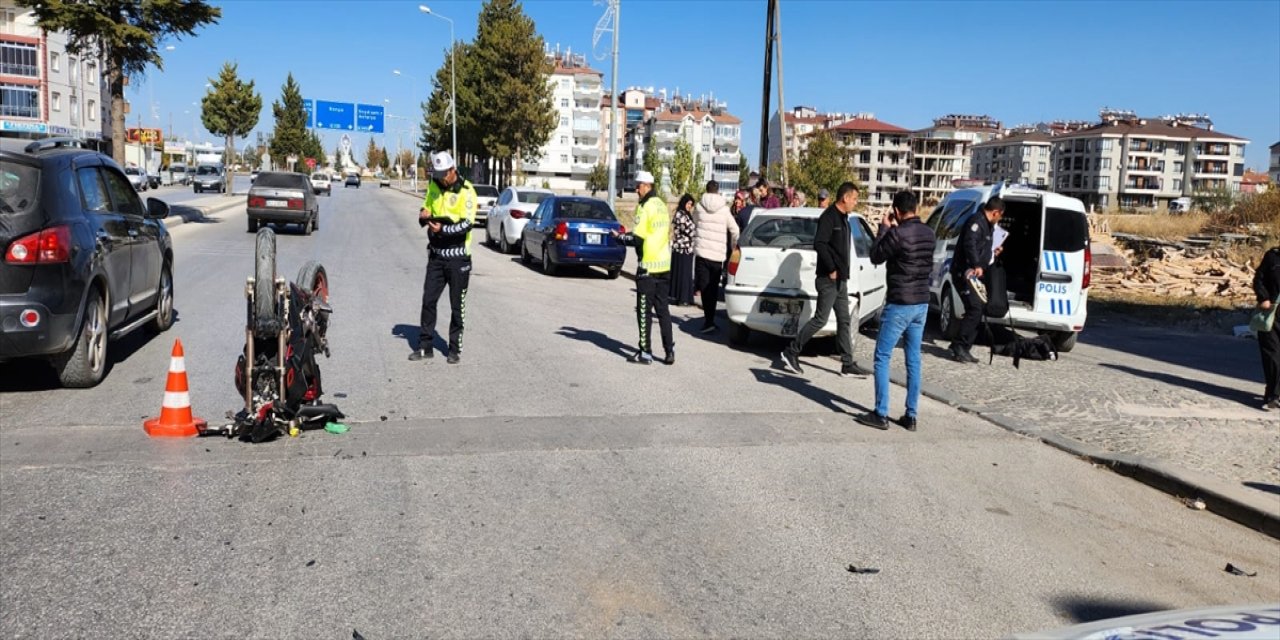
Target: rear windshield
783 232
486 191
319 176
207 171
1065 230
584 210
281 180
133 171
19 185
532 197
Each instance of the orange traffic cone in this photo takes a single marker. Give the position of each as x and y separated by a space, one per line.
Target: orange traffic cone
175 419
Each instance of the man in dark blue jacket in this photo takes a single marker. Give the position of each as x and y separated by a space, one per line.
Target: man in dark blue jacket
831 241
906 245
972 257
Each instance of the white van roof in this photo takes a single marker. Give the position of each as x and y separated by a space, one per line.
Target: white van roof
984 193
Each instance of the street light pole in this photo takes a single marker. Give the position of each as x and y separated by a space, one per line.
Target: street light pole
453 76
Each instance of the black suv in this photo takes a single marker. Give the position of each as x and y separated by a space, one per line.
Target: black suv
85 261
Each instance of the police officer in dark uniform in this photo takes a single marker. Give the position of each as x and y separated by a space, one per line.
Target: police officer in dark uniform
972 257
449 213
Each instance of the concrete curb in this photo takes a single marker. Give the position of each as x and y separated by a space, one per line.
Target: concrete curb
1219 496
205 212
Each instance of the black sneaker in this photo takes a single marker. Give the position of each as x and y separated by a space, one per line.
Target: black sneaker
874 420
454 357
791 363
670 358
711 328
962 355
853 371
907 422
421 354
641 357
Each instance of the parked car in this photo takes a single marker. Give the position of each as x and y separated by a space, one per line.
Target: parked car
771 275
137 178
510 214
283 197
210 177
486 196
1047 260
353 180
85 260
153 180
178 171
573 230
320 182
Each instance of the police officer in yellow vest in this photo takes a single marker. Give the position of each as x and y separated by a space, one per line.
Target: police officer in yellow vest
652 239
448 212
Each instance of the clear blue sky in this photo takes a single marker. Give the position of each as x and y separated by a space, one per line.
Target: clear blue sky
907 62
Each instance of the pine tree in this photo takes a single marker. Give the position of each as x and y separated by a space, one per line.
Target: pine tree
290 135
231 106
598 179
384 159
371 159
744 171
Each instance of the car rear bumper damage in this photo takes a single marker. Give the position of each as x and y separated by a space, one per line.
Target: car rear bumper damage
277 215
51 334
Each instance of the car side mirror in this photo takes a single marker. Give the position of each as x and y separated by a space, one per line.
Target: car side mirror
157 209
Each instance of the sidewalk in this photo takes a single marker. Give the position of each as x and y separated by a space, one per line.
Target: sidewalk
200 209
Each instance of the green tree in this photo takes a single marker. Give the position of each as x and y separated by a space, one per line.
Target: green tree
598 179
515 110
126 34
681 167
314 148
823 165
1213 201
231 106
337 159
437 124
653 164
744 170
697 183
290 135
371 159
384 158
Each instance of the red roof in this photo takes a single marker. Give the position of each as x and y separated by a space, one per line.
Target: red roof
818 119
1253 177
676 116
1151 128
864 125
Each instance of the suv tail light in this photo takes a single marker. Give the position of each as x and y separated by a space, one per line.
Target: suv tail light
517 214
562 231
257 201
51 246
734 259
1088 267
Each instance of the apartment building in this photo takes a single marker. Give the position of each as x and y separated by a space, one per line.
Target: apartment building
797 126
1021 156
635 107
44 90
1132 162
574 147
1274 168
942 153
880 153
712 132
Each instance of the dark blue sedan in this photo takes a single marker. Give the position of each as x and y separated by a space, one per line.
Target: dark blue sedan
573 230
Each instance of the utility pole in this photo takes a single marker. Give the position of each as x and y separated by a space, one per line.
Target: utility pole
771 10
782 119
613 11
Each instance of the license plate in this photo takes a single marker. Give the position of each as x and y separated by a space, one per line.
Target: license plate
277 203
594 238
781 307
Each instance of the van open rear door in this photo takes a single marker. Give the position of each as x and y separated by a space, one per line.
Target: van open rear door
1062 285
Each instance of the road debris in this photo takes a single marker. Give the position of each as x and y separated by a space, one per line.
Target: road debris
1237 571
864 570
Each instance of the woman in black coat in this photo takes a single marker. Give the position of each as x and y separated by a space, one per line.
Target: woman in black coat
682 234
1266 285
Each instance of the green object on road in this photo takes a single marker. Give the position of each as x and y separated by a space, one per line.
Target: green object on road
336 427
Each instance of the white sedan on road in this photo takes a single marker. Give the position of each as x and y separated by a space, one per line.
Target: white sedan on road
510 214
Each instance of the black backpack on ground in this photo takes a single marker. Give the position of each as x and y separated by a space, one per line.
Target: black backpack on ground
1006 342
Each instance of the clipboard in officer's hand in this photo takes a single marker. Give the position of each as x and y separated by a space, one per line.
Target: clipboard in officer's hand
422 222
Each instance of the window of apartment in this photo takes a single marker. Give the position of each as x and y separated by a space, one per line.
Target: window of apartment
1039 182
1104 182
91 72
1026 166
564 121
1041 167
55 62
564 140
1177 184
564 157
19 100
564 83
1179 166
55 100
8 18
1086 164
1180 148
18 59
564 102
73 67
75 110
706 149
93 110
1106 144
1104 163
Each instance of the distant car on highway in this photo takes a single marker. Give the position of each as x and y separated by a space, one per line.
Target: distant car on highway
283 197
384 181
510 214
85 260
772 271
320 183
486 197
179 173
209 177
573 230
353 180
137 177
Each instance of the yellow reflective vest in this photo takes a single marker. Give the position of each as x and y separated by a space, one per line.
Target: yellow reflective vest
457 204
653 225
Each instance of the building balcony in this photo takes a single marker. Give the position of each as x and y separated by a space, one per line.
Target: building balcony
665 134
584 124
1142 187
1149 168
583 90
1214 150
583 167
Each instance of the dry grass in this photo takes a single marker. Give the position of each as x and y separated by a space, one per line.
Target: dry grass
1201 313
1158 225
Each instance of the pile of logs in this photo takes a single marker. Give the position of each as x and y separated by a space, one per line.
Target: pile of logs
1178 272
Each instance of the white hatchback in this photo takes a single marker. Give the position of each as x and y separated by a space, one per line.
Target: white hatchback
509 216
772 271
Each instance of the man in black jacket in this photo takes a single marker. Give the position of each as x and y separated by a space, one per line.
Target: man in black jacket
1266 285
972 257
906 245
831 241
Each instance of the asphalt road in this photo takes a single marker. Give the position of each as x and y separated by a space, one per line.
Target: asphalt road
546 487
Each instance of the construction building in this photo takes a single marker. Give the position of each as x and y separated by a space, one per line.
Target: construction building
880 154
1019 156
942 153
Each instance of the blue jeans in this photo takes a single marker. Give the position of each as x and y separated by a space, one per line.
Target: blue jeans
895 321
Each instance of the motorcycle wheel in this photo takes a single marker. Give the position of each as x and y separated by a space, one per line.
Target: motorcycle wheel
264 279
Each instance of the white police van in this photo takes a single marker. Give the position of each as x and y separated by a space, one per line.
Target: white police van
1046 258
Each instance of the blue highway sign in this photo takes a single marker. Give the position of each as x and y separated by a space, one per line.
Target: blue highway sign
369 118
